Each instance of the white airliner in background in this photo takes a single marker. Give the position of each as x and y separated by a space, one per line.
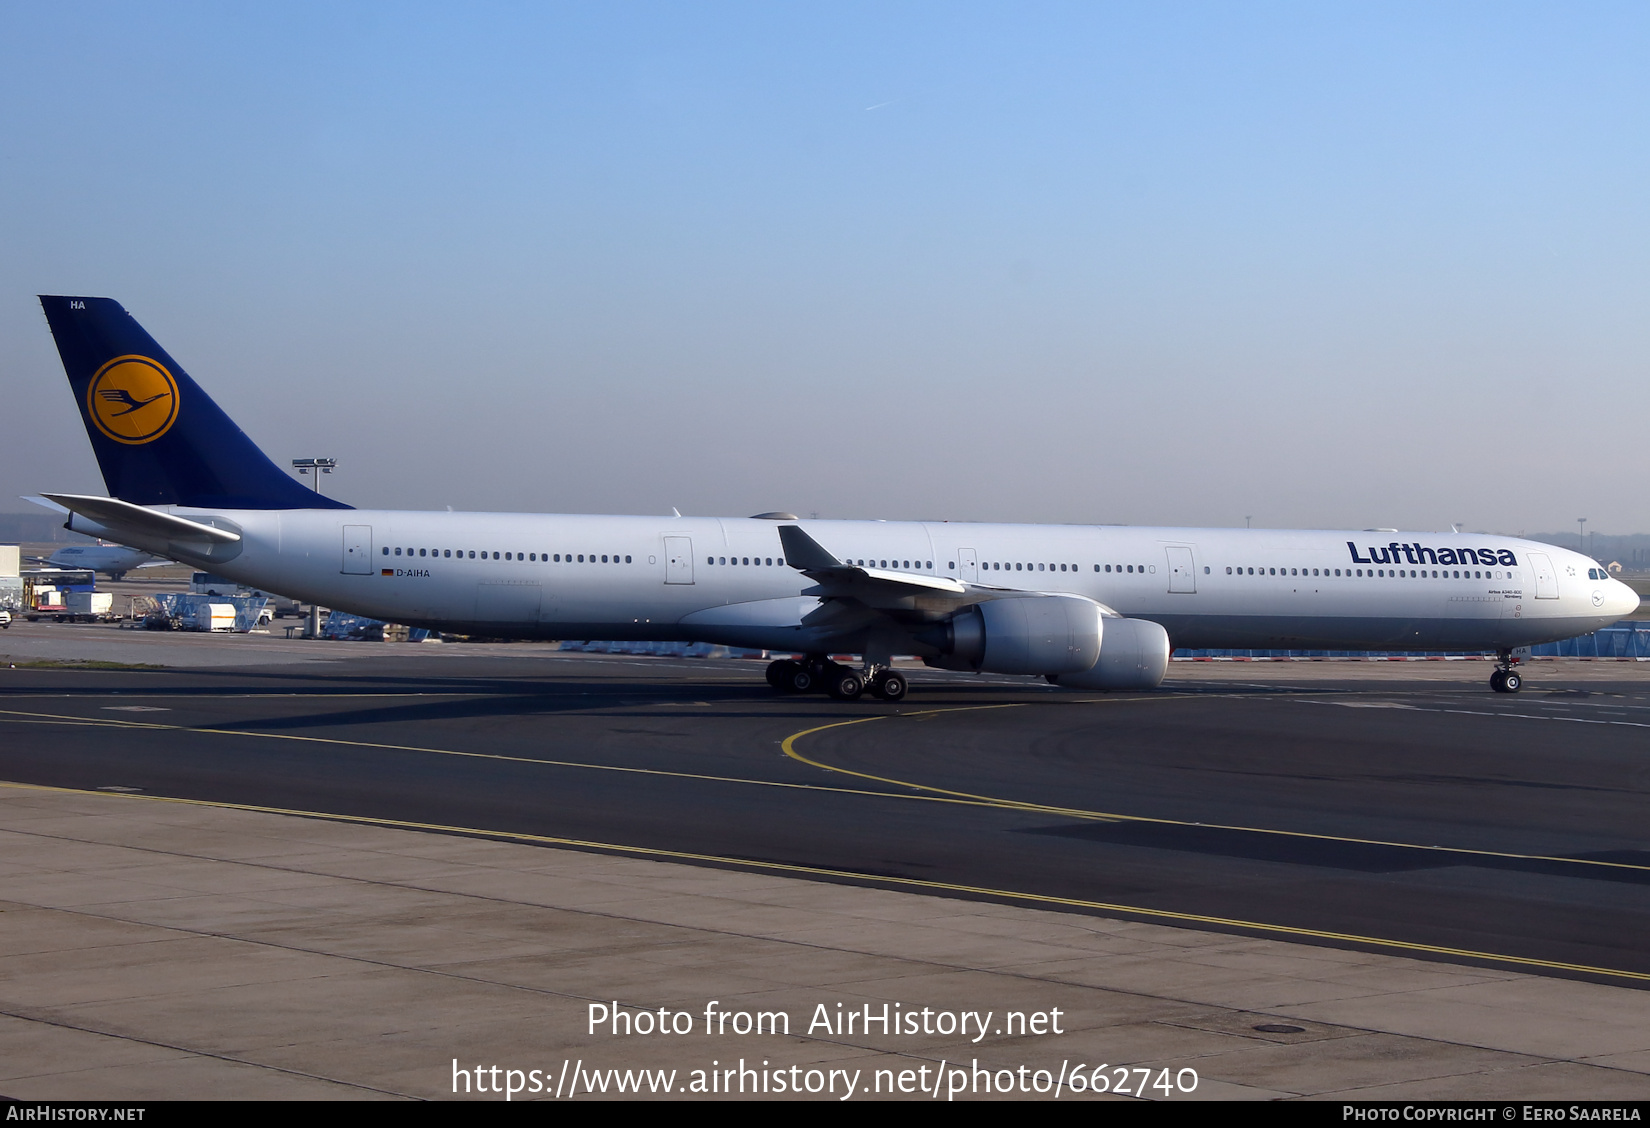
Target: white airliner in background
113 560
1091 607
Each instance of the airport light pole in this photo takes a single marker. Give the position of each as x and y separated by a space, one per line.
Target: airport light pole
316 466
1581 534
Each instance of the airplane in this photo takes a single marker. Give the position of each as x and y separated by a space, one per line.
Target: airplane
1082 606
112 560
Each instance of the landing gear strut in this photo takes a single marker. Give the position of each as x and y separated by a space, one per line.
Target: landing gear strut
1505 679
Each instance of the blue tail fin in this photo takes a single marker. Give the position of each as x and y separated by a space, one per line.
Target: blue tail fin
159 439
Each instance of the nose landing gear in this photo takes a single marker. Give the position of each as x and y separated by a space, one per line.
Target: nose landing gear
1505 679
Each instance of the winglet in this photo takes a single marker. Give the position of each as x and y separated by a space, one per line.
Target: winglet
804 553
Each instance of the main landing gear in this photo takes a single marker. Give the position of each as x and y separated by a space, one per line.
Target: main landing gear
1505 679
817 673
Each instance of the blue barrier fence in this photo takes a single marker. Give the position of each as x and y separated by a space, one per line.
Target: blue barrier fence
1627 639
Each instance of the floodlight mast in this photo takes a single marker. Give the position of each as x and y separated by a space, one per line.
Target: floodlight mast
317 467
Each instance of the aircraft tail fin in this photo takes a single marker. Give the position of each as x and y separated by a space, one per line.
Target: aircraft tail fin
158 438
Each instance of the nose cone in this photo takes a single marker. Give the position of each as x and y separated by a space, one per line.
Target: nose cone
1620 600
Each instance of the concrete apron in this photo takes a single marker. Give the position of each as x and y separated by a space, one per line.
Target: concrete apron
153 950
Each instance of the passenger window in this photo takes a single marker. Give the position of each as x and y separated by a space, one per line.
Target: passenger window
386 550
398 552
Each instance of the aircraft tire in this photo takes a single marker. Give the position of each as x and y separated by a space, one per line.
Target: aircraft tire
1498 681
779 674
1511 682
891 687
802 679
844 684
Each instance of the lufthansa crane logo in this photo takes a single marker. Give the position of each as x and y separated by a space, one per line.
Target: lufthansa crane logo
133 400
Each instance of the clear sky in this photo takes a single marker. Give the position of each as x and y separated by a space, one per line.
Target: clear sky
1315 264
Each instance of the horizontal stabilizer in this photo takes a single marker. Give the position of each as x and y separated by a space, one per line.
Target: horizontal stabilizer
139 523
36 499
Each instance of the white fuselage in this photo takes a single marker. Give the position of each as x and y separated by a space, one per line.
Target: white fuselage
724 580
112 559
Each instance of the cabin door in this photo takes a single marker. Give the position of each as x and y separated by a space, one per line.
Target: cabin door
678 560
1182 570
1546 580
357 550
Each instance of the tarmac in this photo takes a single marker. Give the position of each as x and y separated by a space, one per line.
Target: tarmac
155 948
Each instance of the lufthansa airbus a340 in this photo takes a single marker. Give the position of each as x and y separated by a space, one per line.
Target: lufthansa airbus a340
1090 607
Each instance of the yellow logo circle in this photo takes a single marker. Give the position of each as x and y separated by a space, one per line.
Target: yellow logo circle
133 399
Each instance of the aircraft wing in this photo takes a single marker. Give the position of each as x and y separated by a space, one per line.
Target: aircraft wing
904 595
914 595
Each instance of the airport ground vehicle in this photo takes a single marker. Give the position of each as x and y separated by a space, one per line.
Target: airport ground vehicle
1092 607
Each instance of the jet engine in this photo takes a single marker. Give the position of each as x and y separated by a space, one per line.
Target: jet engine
1034 634
1135 656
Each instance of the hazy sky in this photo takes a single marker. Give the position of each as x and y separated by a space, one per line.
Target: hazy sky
1318 264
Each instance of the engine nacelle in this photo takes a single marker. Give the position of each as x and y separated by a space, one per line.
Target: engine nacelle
1135 656
1034 634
